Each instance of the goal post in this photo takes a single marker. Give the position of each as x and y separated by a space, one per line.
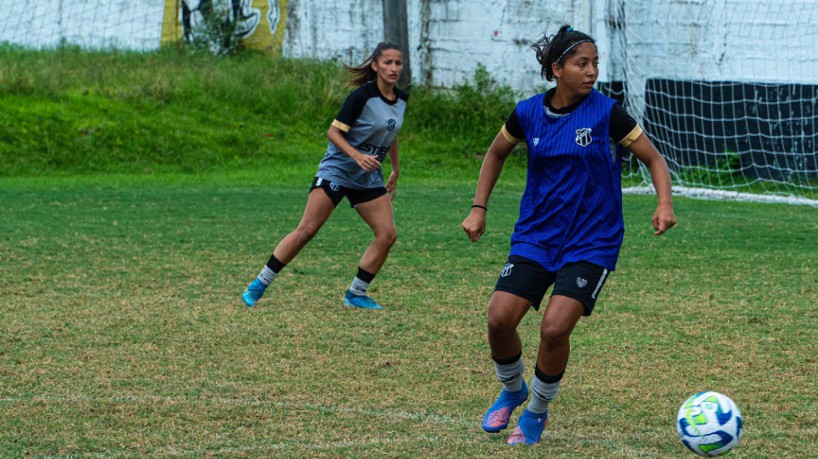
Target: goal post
728 92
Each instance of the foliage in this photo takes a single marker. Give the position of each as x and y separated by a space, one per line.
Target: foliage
725 170
472 112
69 111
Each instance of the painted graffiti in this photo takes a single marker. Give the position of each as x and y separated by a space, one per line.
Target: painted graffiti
222 24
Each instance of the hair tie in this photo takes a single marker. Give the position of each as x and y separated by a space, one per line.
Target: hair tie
569 29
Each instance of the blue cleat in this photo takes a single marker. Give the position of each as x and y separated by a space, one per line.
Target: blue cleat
253 292
360 301
498 415
529 428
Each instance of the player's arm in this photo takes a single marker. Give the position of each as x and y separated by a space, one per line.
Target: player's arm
643 148
337 136
392 182
475 224
350 111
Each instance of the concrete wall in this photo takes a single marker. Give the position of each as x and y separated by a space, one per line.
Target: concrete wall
128 24
448 38
737 40
336 29
725 40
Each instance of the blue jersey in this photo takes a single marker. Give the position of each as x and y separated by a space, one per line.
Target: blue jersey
571 209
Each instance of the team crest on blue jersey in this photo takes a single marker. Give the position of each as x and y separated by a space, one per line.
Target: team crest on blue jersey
506 270
536 141
390 124
584 137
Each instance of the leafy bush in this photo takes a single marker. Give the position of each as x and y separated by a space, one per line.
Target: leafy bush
70 111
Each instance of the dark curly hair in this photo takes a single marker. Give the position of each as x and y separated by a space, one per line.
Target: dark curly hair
556 48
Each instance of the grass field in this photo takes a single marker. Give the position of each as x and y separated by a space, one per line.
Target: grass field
122 332
137 200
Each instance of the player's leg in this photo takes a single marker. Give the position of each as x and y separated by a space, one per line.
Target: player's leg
522 283
559 319
320 204
377 213
576 288
506 310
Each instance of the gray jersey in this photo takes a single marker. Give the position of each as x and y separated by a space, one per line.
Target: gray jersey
371 123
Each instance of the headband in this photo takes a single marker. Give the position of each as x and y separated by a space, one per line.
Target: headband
572 47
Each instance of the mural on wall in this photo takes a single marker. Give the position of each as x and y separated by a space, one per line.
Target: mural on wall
199 15
221 25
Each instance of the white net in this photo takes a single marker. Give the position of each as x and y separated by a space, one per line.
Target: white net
135 25
727 90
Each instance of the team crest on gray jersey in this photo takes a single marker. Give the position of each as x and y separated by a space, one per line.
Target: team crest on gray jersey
506 270
584 137
390 124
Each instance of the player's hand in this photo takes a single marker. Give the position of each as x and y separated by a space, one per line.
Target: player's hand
475 224
392 185
367 162
663 219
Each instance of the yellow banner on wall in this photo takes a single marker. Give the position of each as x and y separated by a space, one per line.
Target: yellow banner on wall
259 24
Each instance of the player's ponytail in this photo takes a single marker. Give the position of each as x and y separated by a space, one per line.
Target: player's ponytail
363 73
556 48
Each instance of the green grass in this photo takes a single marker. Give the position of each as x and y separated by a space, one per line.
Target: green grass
139 193
69 112
122 331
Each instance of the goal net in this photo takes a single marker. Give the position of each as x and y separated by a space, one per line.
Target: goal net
90 24
727 90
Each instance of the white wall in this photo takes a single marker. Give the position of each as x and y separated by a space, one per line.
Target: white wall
738 40
448 38
735 40
128 24
333 29
497 34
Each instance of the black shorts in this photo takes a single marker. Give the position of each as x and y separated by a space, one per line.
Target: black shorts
527 279
337 192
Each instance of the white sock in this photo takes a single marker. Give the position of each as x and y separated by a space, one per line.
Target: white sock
543 392
511 374
266 276
358 286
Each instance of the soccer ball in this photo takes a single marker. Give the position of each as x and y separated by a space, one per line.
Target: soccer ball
709 424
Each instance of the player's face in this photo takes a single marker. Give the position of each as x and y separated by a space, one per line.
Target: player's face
579 72
389 66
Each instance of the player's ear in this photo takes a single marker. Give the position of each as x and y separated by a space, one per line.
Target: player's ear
374 65
556 69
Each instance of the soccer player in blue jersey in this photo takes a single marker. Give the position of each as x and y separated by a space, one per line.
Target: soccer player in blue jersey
363 133
570 228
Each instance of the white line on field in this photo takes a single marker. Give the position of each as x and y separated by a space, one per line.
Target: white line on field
425 418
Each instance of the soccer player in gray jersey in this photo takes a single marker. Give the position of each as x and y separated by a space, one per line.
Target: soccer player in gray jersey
361 136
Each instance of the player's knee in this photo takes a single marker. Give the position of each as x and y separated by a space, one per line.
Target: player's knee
305 233
388 238
554 335
500 325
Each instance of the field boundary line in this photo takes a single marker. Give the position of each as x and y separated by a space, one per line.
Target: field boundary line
420 417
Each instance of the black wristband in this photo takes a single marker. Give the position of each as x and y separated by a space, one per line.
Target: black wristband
478 205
